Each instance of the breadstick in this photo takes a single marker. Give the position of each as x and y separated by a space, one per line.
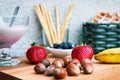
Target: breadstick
57 24
45 14
65 23
52 27
44 25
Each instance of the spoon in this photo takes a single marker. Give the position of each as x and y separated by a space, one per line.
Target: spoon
15 13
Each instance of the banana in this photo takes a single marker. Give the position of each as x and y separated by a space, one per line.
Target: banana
109 56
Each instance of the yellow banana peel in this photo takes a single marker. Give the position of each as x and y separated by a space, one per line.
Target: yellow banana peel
109 56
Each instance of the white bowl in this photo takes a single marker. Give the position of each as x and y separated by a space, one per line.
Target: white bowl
61 53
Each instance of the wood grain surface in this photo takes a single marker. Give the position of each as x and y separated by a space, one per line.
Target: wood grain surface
25 71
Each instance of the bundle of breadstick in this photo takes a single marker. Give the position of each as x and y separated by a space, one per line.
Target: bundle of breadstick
54 35
106 17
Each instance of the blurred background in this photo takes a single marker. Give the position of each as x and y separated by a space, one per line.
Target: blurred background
84 11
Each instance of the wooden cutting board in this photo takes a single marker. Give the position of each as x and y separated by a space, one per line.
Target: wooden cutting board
25 71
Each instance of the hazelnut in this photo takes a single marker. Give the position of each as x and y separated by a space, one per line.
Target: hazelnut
46 62
79 65
87 66
39 68
66 61
72 69
58 63
59 73
49 70
75 61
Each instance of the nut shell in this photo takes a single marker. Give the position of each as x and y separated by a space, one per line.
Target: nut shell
59 73
87 66
49 71
75 61
58 63
66 61
39 68
46 62
72 69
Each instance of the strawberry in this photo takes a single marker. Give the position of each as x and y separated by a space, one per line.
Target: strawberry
81 52
36 54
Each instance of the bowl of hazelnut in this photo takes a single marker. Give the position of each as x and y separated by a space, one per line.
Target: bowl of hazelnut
61 50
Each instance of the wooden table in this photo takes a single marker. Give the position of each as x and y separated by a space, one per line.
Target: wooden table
25 71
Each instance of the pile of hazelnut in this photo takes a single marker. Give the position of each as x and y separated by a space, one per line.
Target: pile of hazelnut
60 68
